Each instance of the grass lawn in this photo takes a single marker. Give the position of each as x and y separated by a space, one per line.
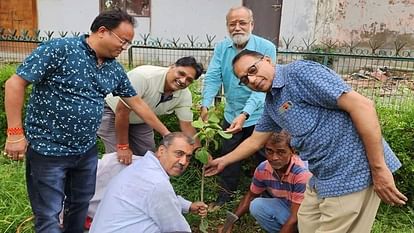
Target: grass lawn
14 206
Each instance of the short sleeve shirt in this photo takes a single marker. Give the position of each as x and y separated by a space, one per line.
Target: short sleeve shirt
303 101
290 187
66 102
149 82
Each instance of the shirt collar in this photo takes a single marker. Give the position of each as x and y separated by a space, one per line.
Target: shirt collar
279 79
153 159
162 84
85 44
176 93
91 51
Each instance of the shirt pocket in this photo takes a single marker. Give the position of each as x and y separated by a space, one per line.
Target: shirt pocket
298 119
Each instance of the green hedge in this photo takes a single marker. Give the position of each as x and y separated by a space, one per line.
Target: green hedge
398 130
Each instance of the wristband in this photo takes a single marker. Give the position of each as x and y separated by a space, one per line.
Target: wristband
122 146
246 114
15 131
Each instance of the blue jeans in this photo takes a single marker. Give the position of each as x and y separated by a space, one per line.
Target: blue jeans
54 180
270 213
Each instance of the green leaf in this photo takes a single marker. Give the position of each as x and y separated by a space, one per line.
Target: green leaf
210 133
199 124
213 118
225 135
216 144
202 155
214 126
202 137
204 226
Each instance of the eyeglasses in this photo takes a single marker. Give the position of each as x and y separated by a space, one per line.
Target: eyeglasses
124 43
252 70
241 24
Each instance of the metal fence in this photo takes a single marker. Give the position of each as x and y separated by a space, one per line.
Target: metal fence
384 75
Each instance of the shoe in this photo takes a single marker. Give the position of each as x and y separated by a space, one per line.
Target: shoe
88 222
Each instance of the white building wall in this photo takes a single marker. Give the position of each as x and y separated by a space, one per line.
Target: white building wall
66 15
298 21
347 20
169 19
178 18
383 21
335 20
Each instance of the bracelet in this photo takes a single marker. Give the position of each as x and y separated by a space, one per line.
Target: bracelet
16 141
15 131
246 114
122 146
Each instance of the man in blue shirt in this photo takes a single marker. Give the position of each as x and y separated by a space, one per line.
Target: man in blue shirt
335 129
70 78
141 198
243 106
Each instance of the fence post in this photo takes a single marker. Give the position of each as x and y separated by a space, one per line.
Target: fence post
130 58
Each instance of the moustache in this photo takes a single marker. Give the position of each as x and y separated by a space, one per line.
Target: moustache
179 166
181 84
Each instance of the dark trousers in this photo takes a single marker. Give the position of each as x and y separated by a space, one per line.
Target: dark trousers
52 180
230 176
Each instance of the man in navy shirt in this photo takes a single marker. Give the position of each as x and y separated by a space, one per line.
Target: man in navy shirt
335 129
70 78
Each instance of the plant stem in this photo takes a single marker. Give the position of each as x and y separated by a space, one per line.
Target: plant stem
203 171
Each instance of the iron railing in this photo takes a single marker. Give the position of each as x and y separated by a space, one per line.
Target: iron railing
383 74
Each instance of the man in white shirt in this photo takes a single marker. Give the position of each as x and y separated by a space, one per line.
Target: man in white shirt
165 90
141 198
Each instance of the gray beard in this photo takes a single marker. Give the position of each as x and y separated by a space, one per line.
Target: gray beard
240 39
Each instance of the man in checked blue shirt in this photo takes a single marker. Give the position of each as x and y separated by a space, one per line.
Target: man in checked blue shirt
335 129
70 79
243 106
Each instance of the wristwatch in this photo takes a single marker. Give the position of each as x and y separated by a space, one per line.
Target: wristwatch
246 114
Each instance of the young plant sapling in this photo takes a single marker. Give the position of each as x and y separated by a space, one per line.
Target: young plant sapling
207 133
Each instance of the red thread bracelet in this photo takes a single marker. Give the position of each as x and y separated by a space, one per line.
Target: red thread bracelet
122 146
15 131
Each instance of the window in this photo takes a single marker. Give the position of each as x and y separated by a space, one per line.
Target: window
139 8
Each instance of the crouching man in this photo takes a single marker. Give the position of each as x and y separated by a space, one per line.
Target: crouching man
283 178
141 198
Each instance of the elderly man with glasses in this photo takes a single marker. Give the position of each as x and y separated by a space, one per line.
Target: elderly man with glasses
165 90
243 107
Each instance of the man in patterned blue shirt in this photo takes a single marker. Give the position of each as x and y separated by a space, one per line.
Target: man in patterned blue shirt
243 106
335 129
70 79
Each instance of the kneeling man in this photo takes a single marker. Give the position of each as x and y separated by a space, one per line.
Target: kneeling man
141 198
282 177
